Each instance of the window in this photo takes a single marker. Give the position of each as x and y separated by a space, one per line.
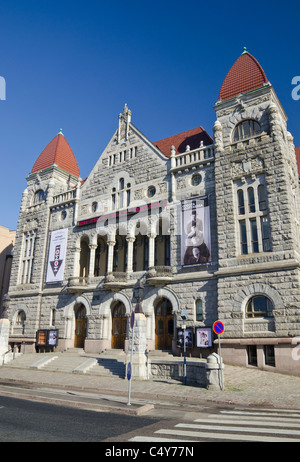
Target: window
39 196
252 355
269 355
28 257
243 235
265 231
259 306
246 129
196 179
53 317
251 200
199 310
262 201
19 327
241 203
151 191
253 218
254 235
121 198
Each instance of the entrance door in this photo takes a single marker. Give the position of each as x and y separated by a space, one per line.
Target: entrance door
164 325
119 326
80 327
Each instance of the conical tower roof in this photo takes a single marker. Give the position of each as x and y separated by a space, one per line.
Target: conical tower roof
57 152
245 75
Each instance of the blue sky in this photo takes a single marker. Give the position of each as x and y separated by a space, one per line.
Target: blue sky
73 65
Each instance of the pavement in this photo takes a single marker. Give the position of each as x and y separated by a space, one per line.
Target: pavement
243 387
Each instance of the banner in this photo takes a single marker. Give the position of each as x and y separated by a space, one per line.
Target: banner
57 255
195 232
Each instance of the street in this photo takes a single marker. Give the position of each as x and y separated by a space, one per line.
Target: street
26 420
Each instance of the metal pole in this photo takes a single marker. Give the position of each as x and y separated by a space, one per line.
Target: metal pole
184 358
131 357
220 365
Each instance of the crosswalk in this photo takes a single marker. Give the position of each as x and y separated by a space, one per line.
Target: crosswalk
243 424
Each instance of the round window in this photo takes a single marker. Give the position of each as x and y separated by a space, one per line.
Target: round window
151 191
63 215
196 179
94 206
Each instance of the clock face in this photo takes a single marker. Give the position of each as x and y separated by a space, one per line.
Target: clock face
196 179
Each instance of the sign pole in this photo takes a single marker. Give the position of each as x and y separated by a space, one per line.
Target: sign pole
221 365
129 366
184 356
218 328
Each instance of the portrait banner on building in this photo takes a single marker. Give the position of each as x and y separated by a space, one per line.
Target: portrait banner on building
195 232
57 256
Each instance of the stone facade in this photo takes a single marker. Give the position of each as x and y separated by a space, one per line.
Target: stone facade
137 189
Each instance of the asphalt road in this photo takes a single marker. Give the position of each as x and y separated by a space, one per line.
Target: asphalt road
29 421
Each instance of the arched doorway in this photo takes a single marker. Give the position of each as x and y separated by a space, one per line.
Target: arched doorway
80 326
164 325
119 325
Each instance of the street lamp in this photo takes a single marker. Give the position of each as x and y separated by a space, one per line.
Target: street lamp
184 317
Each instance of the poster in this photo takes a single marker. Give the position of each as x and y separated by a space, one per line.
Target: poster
203 335
52 337
195 232
57 255
187 335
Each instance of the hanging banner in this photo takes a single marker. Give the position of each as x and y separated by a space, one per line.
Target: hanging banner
195 232
57 255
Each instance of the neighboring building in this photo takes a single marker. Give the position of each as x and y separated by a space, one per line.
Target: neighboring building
208 226
7 242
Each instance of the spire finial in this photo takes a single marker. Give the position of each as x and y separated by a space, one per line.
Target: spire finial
60 132
245 50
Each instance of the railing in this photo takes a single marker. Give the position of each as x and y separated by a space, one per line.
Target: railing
190 158
65 196
13 350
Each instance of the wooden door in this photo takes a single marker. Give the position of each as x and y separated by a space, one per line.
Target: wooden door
80 326
164 325
119 326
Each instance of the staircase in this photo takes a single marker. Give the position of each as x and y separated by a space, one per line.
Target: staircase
110 363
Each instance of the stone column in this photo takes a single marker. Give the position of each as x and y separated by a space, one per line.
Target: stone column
130 241
151 237
110 254
93 248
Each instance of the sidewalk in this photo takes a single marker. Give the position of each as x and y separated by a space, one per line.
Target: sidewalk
243 386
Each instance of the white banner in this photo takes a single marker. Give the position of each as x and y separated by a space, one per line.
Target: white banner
195 232
57 256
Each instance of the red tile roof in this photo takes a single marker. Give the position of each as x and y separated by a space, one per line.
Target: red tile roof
57 152
192 138
245 75
297 152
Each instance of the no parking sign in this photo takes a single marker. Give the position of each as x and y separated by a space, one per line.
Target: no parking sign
218 327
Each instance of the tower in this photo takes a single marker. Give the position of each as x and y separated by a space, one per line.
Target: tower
257 196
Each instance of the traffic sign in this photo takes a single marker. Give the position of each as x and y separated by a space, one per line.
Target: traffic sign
218 327
129 371
132 320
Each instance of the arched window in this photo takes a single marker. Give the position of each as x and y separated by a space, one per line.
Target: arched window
20 322
39 196
259 306
246 129
199 310
241 203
